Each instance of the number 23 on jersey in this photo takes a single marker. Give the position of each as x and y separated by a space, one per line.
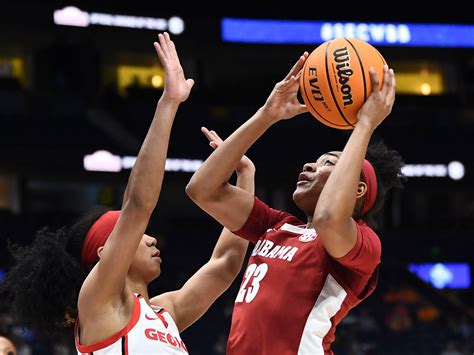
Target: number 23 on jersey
251 284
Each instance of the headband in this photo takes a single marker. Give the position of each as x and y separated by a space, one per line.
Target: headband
368 174
96 238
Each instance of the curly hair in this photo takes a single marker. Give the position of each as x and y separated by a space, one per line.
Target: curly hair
45 281
388 165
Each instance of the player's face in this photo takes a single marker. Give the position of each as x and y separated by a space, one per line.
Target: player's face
6 347
312 179
147 262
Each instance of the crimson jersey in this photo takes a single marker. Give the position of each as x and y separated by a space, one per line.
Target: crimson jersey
293 293
151 330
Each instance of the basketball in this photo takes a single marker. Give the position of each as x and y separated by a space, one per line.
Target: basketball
335 80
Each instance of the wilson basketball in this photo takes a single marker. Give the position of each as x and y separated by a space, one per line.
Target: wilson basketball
335 81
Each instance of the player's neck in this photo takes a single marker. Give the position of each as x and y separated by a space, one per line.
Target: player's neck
138 287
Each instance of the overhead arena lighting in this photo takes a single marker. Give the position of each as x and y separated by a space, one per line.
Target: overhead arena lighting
105 161
314 32
454 170
73 16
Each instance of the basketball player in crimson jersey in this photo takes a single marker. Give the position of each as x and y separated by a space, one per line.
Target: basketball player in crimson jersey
303 277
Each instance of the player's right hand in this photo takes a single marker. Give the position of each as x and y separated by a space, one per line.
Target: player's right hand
177 88
282 103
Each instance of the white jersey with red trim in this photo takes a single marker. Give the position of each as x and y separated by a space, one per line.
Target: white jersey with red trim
150 331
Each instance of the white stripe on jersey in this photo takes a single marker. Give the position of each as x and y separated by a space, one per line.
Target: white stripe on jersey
318 324
295 229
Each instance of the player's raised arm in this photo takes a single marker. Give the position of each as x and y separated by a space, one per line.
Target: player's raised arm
209 186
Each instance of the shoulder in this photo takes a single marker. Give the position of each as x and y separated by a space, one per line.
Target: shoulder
365 231
166 301
277 215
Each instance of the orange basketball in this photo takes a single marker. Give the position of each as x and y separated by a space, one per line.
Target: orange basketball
335 81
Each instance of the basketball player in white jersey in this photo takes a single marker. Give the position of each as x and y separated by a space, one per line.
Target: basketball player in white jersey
95 274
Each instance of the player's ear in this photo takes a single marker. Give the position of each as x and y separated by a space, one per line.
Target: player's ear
361 189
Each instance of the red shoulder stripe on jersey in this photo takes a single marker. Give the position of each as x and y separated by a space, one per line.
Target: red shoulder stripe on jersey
109 341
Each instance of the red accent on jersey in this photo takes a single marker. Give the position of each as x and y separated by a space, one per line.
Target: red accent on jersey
113 338
160 316
294 293
149 318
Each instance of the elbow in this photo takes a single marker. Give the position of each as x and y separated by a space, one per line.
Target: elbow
200 194
323 219
140 203
229 275
329 221
234 265
192 190
196 194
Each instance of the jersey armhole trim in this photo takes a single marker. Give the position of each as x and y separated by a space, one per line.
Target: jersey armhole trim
110 340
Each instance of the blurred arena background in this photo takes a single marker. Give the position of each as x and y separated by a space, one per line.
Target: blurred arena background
89 83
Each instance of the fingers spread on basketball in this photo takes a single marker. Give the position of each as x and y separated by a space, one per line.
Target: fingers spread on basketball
387 81
374 80
393 86
298 66
301 108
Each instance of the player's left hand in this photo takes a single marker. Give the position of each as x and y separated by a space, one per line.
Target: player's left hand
245 165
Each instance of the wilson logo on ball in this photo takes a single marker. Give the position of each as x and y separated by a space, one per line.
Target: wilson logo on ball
335 80
341 56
